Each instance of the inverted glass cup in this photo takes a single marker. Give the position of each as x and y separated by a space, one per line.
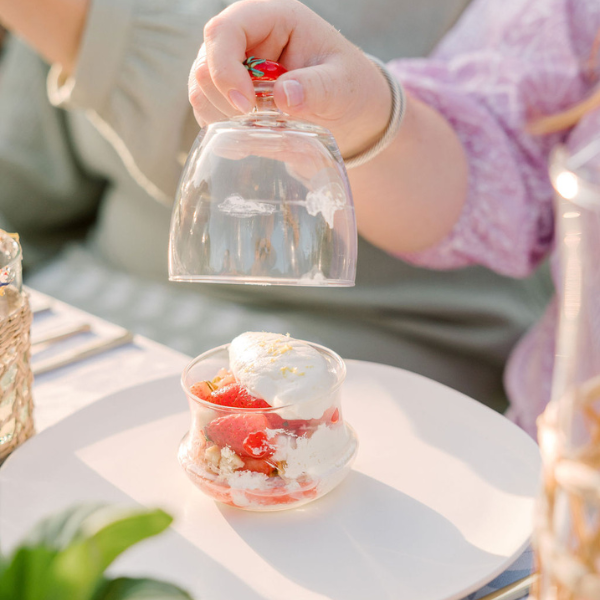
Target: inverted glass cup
266 459
264 199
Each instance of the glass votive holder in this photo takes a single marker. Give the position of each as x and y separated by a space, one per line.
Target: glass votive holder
16 405
265 459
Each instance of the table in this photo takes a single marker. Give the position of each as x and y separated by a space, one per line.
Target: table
62 392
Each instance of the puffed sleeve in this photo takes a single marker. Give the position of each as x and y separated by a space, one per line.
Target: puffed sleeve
131 78
504 65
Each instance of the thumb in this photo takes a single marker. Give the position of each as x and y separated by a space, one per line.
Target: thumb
313 93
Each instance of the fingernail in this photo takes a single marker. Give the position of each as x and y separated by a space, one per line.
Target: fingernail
293 92
240 101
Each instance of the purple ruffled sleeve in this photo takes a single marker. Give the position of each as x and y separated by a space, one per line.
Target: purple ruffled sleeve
505 63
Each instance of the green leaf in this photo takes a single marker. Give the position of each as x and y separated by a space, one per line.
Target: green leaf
61 529
65 555
28 575
79 567
140 589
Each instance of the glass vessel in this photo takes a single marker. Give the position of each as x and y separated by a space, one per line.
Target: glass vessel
265 459
16 419
264 199
567 536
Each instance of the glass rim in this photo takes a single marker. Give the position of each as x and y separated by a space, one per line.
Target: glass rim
341 376
244 280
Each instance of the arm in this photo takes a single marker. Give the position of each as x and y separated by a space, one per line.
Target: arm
402 213
463 182
53 27
420 204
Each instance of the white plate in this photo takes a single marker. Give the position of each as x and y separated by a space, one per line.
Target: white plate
439 501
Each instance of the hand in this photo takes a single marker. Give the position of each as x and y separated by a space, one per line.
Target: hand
330 81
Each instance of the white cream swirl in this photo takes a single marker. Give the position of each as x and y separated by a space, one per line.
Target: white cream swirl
283 371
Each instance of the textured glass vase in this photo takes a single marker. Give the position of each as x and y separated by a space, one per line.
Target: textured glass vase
16 418
567 538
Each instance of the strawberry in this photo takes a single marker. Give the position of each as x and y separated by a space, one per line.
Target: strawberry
277 422
237 396
302 427
223 378
260 465
278 496
263 70
330 416
233 430
257 445
202 389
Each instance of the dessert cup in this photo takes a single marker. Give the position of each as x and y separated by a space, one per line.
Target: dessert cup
266 459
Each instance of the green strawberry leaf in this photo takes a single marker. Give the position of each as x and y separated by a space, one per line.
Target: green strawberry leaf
124 588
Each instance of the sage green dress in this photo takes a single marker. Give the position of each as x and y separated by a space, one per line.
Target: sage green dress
90 190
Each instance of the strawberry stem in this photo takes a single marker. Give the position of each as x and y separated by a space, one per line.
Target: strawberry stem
251 62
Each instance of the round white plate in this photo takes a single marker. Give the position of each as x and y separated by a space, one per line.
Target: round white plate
440 499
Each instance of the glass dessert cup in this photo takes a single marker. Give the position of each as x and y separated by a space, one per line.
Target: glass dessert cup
264 199
266 459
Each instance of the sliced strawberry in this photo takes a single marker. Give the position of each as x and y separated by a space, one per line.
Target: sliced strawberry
277 422
282 496
260 465
202 389
257 445
223 378
302 427
237 396
331 416
233 430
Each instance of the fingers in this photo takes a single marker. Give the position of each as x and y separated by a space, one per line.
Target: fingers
208 103
320 92
323 79
254 26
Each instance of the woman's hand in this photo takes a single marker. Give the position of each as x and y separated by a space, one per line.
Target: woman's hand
330 82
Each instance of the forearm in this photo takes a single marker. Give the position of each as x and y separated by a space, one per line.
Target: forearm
409 197
53 27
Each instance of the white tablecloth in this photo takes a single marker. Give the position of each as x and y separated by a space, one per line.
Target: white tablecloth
60 393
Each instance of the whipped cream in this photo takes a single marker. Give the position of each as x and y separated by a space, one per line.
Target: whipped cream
283 371
313 455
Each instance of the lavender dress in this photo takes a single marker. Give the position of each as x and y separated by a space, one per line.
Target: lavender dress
506 63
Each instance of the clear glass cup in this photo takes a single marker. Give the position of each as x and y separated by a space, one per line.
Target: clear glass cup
263 459
264 199
16 405
567 532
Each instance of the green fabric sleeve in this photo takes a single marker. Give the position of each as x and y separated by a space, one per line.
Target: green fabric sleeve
131 78
44 194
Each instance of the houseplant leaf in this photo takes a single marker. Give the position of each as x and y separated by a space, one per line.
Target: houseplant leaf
103 536
65 556
28 574
124 588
